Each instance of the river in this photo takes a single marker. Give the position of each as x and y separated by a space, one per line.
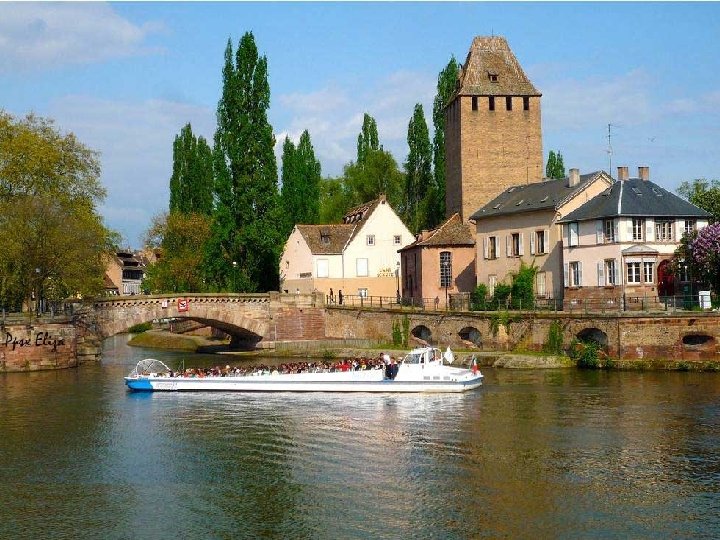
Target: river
532 454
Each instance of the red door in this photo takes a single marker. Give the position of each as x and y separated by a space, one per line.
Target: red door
665 279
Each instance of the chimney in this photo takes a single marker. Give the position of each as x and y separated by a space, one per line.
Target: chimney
574 177
623 174
644 173
424 234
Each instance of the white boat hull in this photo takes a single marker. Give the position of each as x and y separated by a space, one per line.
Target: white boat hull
430 381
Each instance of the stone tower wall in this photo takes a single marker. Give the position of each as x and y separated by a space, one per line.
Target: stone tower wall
489 151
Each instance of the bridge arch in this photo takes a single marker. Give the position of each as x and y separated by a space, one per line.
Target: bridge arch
471 335
593 334
422 332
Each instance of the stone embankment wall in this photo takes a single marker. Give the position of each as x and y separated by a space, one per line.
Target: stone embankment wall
38 345
678 336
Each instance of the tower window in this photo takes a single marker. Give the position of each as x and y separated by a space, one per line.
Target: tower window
526 103
474 103
491 103
508 103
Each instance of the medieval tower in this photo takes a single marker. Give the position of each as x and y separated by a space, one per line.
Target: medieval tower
493 137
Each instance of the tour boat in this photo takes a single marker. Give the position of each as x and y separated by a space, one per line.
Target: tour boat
422 370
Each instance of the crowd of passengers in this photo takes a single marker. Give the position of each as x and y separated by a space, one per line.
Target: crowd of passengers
352 364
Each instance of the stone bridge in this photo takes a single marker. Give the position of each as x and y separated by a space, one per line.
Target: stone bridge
250 319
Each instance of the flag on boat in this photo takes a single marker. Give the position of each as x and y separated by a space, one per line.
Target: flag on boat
474 367
449 356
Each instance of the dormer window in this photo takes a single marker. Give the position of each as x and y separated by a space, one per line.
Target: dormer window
492 77
324 239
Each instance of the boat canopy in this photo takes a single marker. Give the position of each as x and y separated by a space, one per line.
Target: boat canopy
148 366
422 355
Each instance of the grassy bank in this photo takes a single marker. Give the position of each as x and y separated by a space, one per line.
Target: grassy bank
159 339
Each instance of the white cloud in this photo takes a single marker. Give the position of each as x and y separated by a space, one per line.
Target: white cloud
333 115
135 145
39 35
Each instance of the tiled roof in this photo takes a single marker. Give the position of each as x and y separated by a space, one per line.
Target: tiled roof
635 197
491 69
326 239
536 196
453 232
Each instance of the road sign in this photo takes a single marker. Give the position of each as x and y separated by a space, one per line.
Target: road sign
182 304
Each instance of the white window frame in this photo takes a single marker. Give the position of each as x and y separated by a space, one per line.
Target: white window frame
492 283
663 230
648 271
363 292
690 226
397 240
633 273
446 269
575 276
637 227
610 266
609 231
573 233
359 265
370 240
322 268
516 244
541 285
492 247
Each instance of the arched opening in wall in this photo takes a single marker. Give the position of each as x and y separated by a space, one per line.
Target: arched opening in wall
698 341
422 333
594 335
471 336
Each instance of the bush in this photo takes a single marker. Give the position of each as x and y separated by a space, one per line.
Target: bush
554 342
523 287
397 337
405 330
478 298
140 328
590 355
502 293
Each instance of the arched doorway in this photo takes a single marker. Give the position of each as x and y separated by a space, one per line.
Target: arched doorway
665 279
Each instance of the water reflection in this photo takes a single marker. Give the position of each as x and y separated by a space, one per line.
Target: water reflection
532 454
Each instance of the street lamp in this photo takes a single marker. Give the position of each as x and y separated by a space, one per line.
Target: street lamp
397 280
38 300
234 265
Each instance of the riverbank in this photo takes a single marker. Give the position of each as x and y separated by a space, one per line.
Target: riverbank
162 339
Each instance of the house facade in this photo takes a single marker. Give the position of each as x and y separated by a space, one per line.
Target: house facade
439 263
521 225
617 248
124 273
358 256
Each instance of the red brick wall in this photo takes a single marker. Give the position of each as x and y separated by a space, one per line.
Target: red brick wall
35 347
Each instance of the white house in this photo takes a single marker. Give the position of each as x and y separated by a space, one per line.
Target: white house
358 256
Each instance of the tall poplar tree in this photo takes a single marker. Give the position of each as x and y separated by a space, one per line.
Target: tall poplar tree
555 168
447 80
301 178
368 138
243 251
191 183
419 183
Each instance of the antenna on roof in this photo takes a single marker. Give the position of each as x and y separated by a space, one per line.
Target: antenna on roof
609 151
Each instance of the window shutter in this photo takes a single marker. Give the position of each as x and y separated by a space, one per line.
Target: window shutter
601 273
574 233
580 281
616 231
566 273
546 234
521 251
649 230
599 231
532 243
507 245
618 274
630 228
485 247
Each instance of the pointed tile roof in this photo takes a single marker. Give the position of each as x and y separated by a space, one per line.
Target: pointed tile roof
326 239
453 232
491 69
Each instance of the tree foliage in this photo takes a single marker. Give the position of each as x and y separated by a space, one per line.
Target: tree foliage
52 236
182 239
246 229
368 139
447 80
378 174
704 194
191 183
301 177
700 252
333 200
555 167
419 184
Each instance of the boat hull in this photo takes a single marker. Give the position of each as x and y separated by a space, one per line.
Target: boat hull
298 384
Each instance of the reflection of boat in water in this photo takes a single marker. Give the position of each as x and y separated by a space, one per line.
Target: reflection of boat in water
422 370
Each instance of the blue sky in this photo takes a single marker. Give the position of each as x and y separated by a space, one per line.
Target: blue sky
125 77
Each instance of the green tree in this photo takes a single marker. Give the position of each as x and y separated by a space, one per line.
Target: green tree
191 183
704 194
555 167
301 177
367 139
182 238
52 236
418 173
447 81
378 174
247 227
334 200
